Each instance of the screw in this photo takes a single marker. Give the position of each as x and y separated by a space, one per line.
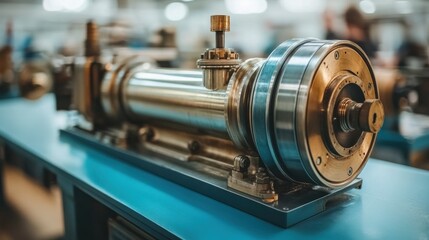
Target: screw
337 55
318 160
146 134
350 171
193 146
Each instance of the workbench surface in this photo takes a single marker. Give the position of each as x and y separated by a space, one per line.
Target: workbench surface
393 203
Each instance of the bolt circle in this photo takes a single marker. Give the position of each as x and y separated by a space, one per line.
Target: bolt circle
318 160
350 171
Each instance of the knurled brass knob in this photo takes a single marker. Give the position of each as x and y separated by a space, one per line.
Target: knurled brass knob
219 23
92 46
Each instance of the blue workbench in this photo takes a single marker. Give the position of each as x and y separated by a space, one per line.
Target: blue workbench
393 203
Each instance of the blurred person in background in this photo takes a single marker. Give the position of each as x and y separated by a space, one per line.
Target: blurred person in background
6 64
357 30
410 53
328 18
6 68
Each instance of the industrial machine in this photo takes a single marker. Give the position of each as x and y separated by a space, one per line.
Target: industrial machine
6 70
31 80
277 138
404 137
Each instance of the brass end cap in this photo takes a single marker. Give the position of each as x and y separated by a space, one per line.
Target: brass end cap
371 116
220 23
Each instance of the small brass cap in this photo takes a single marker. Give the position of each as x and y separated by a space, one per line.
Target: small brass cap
371 116
219 23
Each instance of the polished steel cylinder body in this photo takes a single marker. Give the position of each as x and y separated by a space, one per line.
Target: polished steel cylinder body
175 95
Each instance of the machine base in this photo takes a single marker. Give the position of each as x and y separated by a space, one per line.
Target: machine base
294 205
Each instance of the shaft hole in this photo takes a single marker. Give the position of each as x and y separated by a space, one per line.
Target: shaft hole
374 118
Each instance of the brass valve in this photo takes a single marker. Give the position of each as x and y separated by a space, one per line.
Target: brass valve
218 63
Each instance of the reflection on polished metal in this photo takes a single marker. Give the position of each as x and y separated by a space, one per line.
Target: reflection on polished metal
239 93
309 113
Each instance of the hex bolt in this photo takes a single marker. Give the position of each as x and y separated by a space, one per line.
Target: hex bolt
242 161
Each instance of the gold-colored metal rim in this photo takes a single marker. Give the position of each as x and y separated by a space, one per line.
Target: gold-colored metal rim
333 169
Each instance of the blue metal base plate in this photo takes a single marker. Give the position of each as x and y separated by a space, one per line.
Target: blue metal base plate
294 205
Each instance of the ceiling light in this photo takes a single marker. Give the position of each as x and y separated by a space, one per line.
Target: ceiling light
403 7
176 11
303 5
367 6
64 5
246 6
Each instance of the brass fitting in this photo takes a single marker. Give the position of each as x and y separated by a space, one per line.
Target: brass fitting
218 63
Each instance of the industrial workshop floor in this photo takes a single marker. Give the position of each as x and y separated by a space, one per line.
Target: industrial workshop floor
31 211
